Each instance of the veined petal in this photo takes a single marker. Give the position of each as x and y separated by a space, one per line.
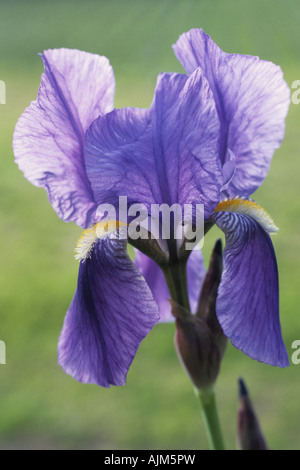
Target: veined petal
248 298
48 139
118 157
166 156
111 313
92 234
185 139
252 101
156 281
250 208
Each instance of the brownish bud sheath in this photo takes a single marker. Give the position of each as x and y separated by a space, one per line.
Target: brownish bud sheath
196 348
249 434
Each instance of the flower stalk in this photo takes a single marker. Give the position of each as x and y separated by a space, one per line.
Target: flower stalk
211 418
176 279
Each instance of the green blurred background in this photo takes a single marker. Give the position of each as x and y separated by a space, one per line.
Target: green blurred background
40 406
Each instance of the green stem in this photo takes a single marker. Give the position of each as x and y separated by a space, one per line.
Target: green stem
211 419
175 276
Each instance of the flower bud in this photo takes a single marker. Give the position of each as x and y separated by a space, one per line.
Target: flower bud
196 348
199 339
249 435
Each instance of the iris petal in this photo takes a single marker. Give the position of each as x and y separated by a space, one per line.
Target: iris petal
48 139
252 101
185 138
111 313
118 157
248 297
168 155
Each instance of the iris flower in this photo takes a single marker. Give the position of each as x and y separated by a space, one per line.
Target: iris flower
207 138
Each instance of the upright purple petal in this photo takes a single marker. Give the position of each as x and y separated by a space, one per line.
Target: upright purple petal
248 297
252 101
167 156
185 137
111 313
48 139
156 281
118 157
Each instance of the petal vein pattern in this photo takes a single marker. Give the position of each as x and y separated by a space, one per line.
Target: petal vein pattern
104 326
248 298
166 156
48 139
252 100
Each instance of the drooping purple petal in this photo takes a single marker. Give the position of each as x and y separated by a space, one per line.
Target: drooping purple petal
167 156
156 281
248 297
111 313
252 101
48 139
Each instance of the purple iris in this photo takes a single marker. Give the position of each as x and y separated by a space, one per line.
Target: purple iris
208 138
